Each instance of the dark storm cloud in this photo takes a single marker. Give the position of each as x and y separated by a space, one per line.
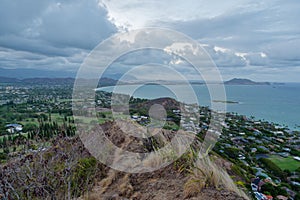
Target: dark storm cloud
56 29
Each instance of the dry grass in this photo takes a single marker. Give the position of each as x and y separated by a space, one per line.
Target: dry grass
193 187
179 146
93 196
105 183
207 174
125 188
153 160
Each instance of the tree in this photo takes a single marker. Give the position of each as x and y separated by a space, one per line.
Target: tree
29 127
269 188
232 152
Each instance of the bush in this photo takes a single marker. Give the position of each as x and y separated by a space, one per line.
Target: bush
295 152
241 184
269 188
29 127
83 175
236 169
3 156
232 152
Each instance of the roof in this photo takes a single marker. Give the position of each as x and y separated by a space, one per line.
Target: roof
256 181
13 125
269 197
281 197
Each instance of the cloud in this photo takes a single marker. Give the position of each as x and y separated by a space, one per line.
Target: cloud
59 33
13 59
69 24
75 24
136 14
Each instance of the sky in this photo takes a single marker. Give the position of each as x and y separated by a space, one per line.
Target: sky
255 39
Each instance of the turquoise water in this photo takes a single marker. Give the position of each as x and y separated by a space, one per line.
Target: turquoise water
275 103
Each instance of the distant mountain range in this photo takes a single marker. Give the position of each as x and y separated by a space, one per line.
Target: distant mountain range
52 81
241 81
49 76
23 73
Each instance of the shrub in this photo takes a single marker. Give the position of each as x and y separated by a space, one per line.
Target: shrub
3 156
83 175
236 169
269 188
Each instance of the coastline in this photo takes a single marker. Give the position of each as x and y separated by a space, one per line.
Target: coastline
277 105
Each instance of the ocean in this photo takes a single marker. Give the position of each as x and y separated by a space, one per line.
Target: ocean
279 104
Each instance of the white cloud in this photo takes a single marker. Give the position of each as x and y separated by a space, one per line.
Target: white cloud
135 14
220 49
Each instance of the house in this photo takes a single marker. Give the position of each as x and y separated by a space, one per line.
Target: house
251 138
269 197
290 192
144 117
254 187
258 141
278 133
258 183
260 172
253 150
286 149
256 132
295 183
279 140
297 158
12 128
239 140
284 154
259 196
280 197
134 117
268 180
176 111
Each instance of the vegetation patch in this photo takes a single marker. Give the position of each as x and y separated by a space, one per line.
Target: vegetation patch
288 163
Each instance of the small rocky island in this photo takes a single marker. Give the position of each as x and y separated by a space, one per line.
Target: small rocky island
241 81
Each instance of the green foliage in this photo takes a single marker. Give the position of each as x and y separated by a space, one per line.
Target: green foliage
269 188
281 191
241 184
295 152
232 152
3 156
297 197
83 175
237 170
272 167
33 147
29 127
261 151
